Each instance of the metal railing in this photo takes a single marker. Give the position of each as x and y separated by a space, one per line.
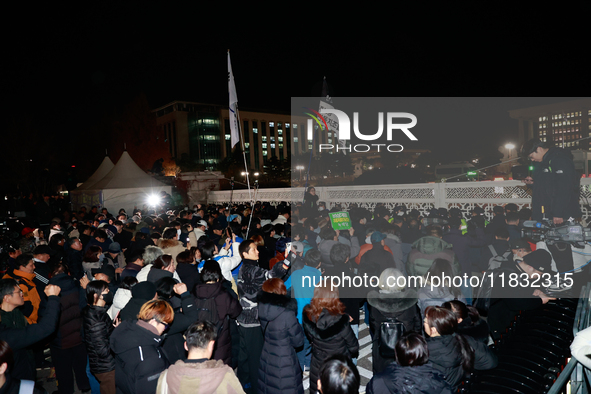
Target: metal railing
575 378
420 196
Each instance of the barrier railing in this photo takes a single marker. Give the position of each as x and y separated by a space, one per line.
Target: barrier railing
575 378
420 196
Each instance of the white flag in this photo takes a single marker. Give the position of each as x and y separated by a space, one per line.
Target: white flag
234 134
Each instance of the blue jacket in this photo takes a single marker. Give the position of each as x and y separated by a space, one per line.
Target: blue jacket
302 289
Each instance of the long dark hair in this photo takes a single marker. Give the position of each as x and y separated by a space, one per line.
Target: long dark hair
462 310
94 290
162 262
446 323
412 350
207 250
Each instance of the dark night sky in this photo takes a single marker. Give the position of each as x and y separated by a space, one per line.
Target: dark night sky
64 67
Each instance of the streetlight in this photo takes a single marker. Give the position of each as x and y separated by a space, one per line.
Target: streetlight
300 168
509 146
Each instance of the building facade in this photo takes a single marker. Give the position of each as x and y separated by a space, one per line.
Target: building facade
566 124
200 133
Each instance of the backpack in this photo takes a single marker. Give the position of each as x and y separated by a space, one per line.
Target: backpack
207 310
495 261
390 331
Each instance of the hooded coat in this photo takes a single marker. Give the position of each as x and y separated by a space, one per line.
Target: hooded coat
226 305
279 368
139 359
172 247
401 305
328 335
422 379
207 377
425 250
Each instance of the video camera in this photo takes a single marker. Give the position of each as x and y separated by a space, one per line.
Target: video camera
546 231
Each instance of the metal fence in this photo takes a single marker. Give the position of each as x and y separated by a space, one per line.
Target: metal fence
575 378
420 196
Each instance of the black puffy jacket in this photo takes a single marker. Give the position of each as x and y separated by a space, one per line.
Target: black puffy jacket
422 379
328 335
139 359
173 341
445 354
400 305
73 301
279 368
97 330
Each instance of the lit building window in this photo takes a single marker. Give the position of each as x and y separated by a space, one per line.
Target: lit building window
271 124
255 130
264 153
295 139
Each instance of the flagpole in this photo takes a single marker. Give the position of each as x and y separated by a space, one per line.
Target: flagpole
232 90
244 154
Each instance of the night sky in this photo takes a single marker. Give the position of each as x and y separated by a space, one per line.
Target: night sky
65 68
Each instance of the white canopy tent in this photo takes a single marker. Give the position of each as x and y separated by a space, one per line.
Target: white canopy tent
125 186
106 166
80 197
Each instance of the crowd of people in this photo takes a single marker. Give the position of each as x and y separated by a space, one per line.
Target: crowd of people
230 298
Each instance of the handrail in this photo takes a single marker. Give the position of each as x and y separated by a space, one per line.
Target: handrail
564 377
574 372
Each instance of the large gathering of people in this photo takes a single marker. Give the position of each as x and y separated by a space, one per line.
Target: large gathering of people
230 298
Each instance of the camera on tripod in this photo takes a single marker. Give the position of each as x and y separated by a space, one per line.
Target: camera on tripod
546 231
